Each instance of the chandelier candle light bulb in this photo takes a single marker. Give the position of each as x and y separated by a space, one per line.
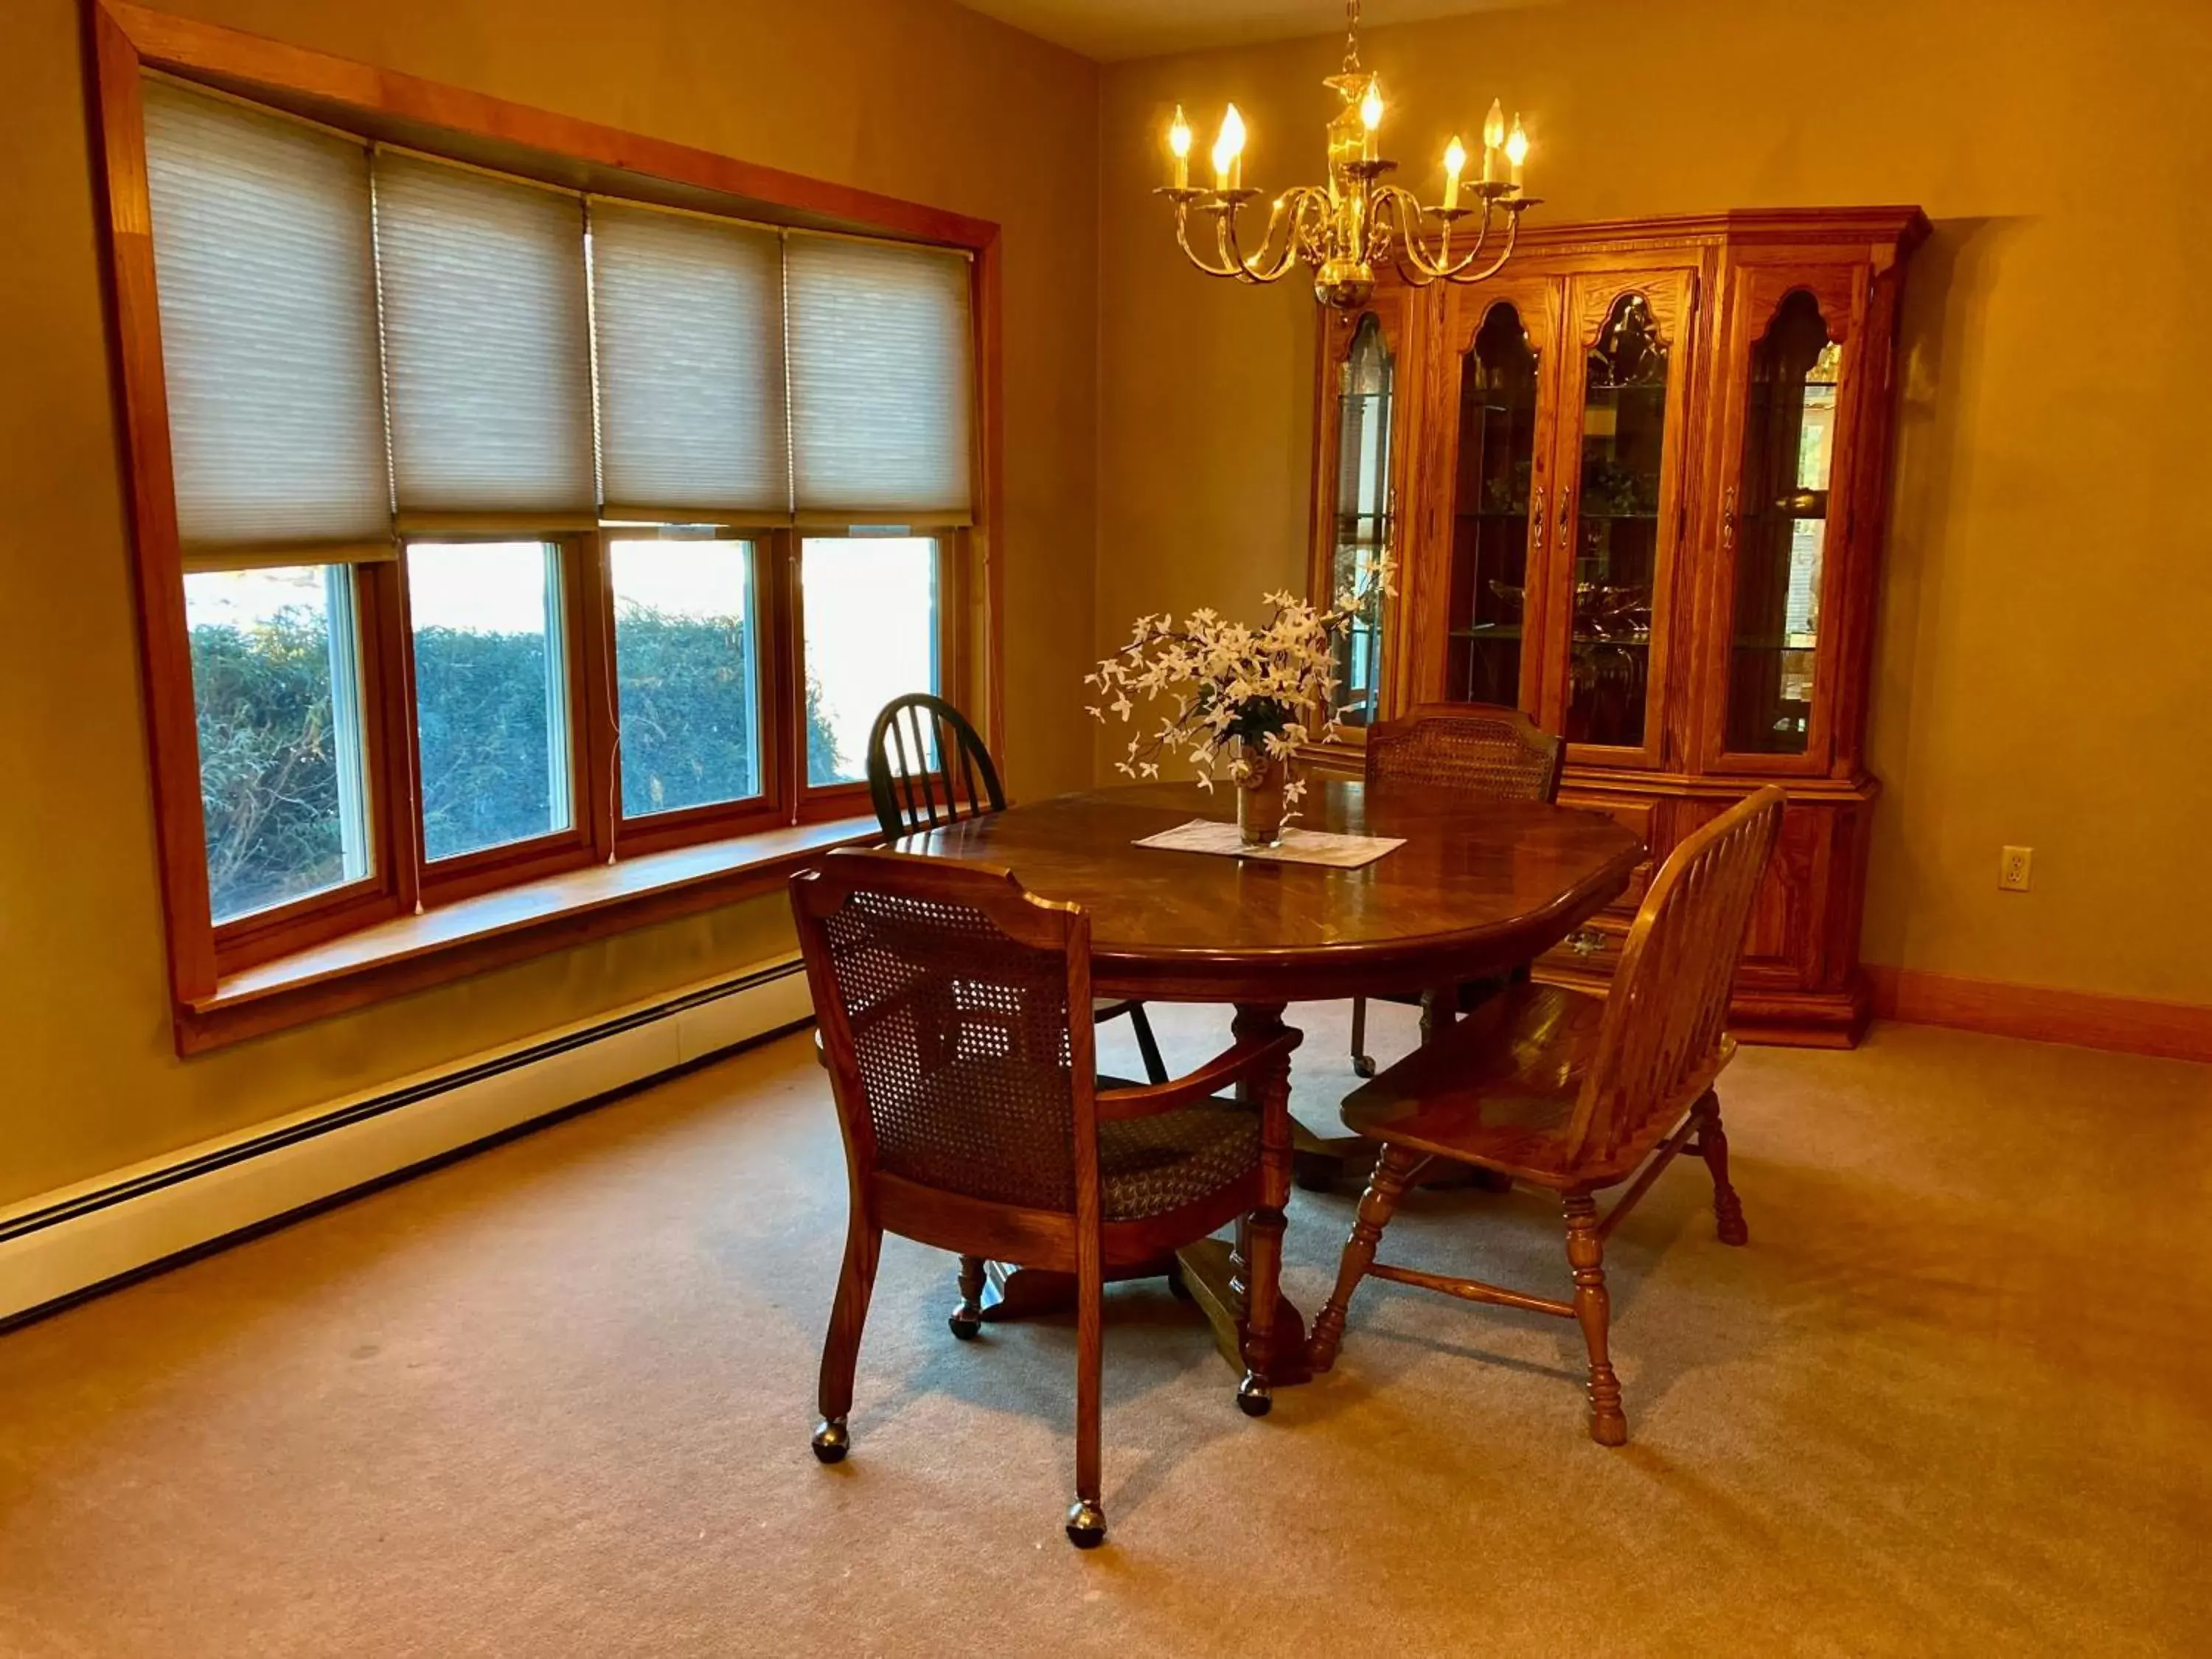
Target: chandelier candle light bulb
1229 152
1344 227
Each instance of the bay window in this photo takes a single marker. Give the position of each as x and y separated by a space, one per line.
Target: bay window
509 527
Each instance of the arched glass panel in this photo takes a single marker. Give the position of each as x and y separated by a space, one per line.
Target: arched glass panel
1363 504
1490 528
1617 559
1779 520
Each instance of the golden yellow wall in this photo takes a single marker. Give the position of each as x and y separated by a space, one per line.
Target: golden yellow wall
917 99
2045 655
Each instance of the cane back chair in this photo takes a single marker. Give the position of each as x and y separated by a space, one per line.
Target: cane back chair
1475 749
927 766
972 1119
1558 1090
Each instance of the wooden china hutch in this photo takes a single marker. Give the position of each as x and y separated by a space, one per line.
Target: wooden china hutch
1636 485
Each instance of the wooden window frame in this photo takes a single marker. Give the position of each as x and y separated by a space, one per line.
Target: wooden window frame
216 971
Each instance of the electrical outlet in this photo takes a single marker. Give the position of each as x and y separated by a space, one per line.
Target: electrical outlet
2013 868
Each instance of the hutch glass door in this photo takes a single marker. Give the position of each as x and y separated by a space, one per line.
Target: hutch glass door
1618 565
1363 508
1498 497
1774 524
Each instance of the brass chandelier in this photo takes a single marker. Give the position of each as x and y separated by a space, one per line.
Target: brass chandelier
1347 227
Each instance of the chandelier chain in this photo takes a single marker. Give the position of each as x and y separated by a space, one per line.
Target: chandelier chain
1352 37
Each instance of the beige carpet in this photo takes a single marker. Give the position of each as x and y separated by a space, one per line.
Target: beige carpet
555 1399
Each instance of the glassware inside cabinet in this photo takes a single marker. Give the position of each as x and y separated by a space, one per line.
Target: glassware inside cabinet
1616 564
1776 518
1490 526
1363 514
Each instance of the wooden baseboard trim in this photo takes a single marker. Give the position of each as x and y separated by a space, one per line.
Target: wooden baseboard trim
2086 1020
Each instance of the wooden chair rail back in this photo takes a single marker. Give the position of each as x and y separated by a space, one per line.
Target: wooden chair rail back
935 982
927 766
1499 751
1662 1041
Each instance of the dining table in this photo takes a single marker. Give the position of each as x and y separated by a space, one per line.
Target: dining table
1477 888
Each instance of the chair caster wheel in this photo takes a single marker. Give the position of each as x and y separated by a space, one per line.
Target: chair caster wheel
1086 1524
831 1442
965 1325
1363 1065
1253 1398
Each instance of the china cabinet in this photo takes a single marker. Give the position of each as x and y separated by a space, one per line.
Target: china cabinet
1635 486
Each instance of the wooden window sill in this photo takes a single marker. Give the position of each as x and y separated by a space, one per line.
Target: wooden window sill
493 929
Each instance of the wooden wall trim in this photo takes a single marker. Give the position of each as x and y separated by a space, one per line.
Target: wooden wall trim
2087 1019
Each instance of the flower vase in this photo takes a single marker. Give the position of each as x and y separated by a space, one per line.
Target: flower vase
1260 799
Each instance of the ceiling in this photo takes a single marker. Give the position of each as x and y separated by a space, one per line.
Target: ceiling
1111 30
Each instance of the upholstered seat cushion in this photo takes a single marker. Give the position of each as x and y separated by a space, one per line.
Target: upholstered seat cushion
1149 1166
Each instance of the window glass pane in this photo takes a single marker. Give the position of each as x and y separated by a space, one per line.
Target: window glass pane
490 697
276 684
686 674
870 608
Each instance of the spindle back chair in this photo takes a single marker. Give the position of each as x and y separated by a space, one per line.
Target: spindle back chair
1558 1090
928 767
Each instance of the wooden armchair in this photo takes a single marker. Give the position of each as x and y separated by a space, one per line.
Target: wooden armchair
951 1002
1476 749
927 766
1555 1089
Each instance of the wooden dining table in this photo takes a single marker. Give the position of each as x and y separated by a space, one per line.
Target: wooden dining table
1480 888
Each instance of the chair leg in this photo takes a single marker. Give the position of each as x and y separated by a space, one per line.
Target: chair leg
967 1320
1362 1063
1592 1311
1156 1070
841 1348
1393 1169
1712 1141
1086 1518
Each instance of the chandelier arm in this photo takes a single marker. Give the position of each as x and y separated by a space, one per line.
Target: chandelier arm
1183 241
1414 260
1512 235
1257 269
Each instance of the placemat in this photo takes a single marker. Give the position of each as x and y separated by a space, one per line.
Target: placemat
1298 846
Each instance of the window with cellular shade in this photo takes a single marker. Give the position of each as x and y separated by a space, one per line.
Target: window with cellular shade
267 293
688 315
487 344
880 346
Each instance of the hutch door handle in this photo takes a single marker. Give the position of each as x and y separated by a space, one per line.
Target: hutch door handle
1728 522
1536 517
1566 495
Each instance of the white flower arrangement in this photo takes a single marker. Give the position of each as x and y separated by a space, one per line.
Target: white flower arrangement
1240 692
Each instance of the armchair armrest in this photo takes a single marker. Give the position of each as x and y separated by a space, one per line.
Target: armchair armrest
1233 1065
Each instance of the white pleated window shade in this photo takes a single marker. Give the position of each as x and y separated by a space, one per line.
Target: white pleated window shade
487 346
880 349
687 314
267 288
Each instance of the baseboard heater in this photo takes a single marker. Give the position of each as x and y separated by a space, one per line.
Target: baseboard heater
60 1246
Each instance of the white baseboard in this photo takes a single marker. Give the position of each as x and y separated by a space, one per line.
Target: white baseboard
59 1244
